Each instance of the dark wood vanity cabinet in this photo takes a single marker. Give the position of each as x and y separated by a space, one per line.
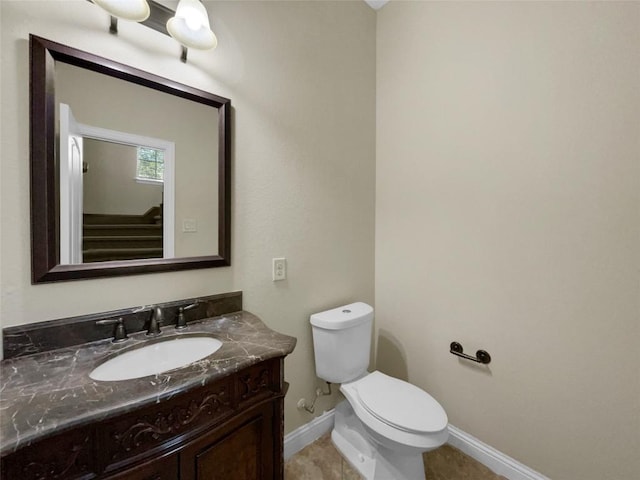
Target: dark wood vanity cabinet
231 429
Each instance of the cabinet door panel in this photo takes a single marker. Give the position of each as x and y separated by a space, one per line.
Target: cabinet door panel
235 457
242 449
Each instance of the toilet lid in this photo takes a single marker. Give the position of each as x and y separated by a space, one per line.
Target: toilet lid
400 404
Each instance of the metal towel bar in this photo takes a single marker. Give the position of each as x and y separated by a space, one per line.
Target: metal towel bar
482 356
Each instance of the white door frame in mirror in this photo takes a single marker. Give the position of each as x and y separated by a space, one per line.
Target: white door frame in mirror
68 220
71 195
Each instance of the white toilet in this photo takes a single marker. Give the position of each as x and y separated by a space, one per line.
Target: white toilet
385 424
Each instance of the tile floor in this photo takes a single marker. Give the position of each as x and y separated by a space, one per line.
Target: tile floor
321 461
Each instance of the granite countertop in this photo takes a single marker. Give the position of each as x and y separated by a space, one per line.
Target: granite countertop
49 392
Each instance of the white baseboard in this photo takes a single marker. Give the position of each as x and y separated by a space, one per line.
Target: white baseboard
490 457
493 459
307 434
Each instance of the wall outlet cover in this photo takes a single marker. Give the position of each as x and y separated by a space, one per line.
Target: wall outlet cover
279 269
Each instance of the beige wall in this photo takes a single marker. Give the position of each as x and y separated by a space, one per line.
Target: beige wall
508 218
301 77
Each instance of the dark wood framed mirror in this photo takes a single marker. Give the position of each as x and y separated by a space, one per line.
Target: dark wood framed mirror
53 255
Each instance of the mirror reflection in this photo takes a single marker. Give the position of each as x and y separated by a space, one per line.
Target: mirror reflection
136 175
126 222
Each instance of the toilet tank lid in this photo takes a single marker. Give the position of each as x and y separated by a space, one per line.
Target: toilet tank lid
343 317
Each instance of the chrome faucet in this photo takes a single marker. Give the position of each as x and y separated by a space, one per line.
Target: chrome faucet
182 322
157 318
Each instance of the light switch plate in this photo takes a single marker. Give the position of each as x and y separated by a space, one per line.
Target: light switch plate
279 269
189 225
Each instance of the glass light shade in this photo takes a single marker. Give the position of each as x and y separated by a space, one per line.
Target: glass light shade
190 26
136 10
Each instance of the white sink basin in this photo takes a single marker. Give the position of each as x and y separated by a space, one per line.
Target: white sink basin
156 358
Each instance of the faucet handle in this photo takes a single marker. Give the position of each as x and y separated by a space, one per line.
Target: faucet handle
188 307
182 322
119 332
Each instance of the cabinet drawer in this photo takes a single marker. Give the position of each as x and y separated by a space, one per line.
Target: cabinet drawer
258 382
156 469
152 430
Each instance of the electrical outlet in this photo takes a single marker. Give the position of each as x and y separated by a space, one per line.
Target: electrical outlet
279 269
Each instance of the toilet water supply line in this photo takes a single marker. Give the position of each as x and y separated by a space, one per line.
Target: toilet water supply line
302 403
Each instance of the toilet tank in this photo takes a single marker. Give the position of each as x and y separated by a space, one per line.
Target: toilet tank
342 342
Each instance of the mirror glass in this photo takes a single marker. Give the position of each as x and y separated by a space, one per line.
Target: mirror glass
141 161
130 172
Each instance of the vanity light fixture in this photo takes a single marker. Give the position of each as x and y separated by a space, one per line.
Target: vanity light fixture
189 24
136 10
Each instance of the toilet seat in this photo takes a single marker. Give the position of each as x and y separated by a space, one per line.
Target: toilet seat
400 404
383 425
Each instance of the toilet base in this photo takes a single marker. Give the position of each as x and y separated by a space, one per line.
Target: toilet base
372 460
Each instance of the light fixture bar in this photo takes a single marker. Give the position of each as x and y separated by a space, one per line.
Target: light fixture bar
158 17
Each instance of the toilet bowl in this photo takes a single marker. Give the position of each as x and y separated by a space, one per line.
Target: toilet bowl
385 424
